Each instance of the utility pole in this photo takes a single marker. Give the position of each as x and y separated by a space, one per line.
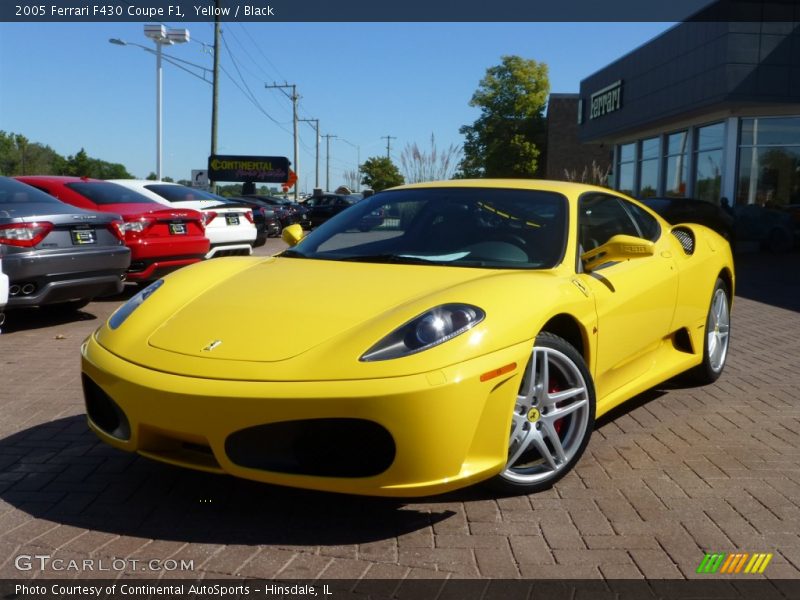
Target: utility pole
388 139
215 93
294 98
328 161
316 123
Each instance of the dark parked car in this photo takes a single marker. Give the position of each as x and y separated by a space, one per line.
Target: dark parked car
266 221
56 255
325 206
689 210
288 212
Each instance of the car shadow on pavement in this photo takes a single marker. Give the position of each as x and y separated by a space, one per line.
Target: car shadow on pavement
59 471
27 319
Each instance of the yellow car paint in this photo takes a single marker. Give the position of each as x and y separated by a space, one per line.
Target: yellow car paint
187 374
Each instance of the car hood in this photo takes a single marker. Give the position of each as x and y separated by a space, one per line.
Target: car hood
253 321
302 319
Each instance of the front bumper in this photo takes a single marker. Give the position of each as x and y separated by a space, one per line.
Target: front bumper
448 428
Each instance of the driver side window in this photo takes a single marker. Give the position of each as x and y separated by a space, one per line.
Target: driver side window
601 217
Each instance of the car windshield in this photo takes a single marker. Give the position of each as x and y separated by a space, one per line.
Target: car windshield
104 192
464 227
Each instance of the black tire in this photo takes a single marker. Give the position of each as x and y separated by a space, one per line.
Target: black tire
711 368
531 427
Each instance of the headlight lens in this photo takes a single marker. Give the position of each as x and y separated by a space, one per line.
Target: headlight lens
124 311
429 329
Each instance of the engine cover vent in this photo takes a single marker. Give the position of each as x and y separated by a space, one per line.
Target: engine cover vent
686 238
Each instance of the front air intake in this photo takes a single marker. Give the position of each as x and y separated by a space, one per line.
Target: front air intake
686 238
103 411
323 447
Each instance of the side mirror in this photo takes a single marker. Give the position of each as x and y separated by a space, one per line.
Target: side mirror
292 234
619 247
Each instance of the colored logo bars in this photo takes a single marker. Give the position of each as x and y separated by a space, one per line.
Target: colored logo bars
729 564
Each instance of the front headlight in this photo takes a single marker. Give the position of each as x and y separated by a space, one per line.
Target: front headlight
124 311
427 330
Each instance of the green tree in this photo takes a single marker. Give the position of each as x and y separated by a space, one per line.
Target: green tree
152 176
508 137
380 173
79 165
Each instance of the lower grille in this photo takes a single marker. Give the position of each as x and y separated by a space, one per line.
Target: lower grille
322 447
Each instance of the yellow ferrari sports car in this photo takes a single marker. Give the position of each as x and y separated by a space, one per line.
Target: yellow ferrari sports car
449 333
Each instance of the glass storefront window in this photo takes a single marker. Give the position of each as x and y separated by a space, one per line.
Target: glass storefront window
708 181
770 131
708 162
769 176
648 168
711 137
650 148
626 169
648 178
769 161
676 164
625 179
627 152
676 143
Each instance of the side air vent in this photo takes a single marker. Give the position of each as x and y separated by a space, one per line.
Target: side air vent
686 238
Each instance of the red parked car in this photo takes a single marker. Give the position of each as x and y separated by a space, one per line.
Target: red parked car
161 239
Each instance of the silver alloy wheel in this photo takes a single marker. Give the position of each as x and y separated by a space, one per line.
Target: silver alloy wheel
718 330
550 418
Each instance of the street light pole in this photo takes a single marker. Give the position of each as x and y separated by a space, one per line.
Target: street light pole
158 110
161 36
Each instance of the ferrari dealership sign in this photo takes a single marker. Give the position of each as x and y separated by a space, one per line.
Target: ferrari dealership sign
606 100
258 169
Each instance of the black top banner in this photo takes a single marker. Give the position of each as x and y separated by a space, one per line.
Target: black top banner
176 11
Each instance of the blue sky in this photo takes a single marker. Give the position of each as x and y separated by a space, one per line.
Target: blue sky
66 86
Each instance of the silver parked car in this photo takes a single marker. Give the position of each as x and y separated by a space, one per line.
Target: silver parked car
56 255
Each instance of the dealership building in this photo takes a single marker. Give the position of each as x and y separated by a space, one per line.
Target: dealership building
705 110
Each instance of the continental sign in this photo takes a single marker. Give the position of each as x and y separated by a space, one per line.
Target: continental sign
737 562
606 100
258 169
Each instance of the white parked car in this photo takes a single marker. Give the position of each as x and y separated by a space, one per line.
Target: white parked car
3 288
230 230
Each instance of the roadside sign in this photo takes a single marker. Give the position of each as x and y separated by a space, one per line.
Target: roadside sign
258 169
199 178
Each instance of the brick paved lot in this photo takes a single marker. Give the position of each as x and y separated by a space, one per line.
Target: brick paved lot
681 471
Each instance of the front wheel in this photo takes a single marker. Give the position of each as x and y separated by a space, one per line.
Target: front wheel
717 336
552 420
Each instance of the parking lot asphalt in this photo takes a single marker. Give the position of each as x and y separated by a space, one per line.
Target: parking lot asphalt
676 473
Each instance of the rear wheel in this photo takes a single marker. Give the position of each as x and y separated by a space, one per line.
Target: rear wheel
717 336
552 419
